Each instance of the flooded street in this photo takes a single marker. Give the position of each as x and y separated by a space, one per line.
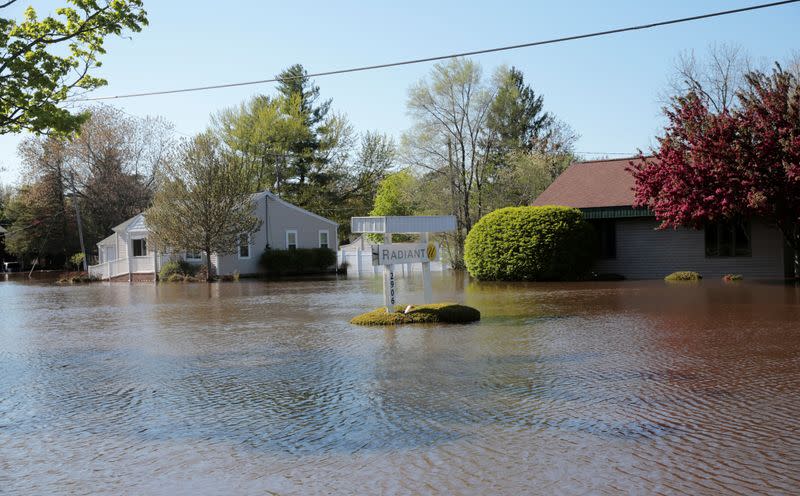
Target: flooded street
265 388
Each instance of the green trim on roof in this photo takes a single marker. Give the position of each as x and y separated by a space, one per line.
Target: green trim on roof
615 212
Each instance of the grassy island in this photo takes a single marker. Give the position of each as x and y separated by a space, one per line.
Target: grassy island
419 314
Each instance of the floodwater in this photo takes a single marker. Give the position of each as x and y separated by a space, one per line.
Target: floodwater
265 388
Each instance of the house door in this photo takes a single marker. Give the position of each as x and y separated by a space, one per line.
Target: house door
110 253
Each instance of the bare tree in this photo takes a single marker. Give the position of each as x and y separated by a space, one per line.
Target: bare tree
716 77
450 111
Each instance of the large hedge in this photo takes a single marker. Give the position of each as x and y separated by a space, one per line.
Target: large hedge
297 261
530 244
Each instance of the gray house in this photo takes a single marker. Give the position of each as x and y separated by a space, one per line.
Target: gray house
630 243
127 255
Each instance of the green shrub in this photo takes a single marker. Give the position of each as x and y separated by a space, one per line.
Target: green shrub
422 314
297 262
684 275
530 244
76 260
179 268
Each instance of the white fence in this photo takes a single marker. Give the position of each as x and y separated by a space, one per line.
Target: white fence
359 264
123 266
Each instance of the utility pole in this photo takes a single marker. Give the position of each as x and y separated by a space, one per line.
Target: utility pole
80 231
78 220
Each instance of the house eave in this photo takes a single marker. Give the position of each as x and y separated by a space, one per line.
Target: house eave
615 212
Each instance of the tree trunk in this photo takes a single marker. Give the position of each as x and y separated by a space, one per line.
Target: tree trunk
795 245
208 263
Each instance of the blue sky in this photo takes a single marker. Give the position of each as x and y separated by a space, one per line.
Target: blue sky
607 89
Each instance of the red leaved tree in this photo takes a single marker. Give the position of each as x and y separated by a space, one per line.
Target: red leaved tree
728 165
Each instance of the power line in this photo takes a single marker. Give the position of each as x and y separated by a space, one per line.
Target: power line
453 55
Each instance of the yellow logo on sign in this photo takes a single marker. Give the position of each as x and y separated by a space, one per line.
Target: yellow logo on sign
431 251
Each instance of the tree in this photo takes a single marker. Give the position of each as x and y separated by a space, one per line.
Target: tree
479 140
298 89
304 152
41 223
204 202
516 119
715 79
107 168
262 132
450 110
43 61
743 161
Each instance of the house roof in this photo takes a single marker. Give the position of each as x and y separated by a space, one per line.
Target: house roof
592 184
108 241
278 199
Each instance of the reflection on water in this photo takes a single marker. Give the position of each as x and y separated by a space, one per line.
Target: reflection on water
257 387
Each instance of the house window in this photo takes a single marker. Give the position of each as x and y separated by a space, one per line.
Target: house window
291 239
140 247
193 256
728 239
606 238
323 239
244 246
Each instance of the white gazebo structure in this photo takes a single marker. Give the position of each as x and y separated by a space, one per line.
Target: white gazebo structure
389 254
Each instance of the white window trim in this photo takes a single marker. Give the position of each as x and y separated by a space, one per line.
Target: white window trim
192 259
239 247
327 238
296 244
146 248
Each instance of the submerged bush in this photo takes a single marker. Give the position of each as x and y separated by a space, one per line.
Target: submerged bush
421 314
177 270
530 244
297 262
732 277
76 278
684 275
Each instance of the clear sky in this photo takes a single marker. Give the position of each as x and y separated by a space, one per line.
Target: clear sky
607 88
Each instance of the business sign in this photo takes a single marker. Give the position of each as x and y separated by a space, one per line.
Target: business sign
403 253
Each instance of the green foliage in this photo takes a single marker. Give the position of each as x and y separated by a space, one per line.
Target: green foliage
294 145
530 244
684 275
43 60
732 277
396 195
297 262
420 314
41 222
77 259
516 116
179 268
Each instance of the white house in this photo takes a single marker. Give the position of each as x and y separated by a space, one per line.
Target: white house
128 255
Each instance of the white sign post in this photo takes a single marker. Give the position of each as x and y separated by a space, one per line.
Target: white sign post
389 254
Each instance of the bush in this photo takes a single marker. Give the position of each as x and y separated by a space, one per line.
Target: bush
732 277
684 275
422 314
297 262
530 244
76 278
179 268
76 260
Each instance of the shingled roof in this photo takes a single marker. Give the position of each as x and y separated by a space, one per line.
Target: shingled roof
593 184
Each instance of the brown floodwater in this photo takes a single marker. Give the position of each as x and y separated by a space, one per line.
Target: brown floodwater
265 388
